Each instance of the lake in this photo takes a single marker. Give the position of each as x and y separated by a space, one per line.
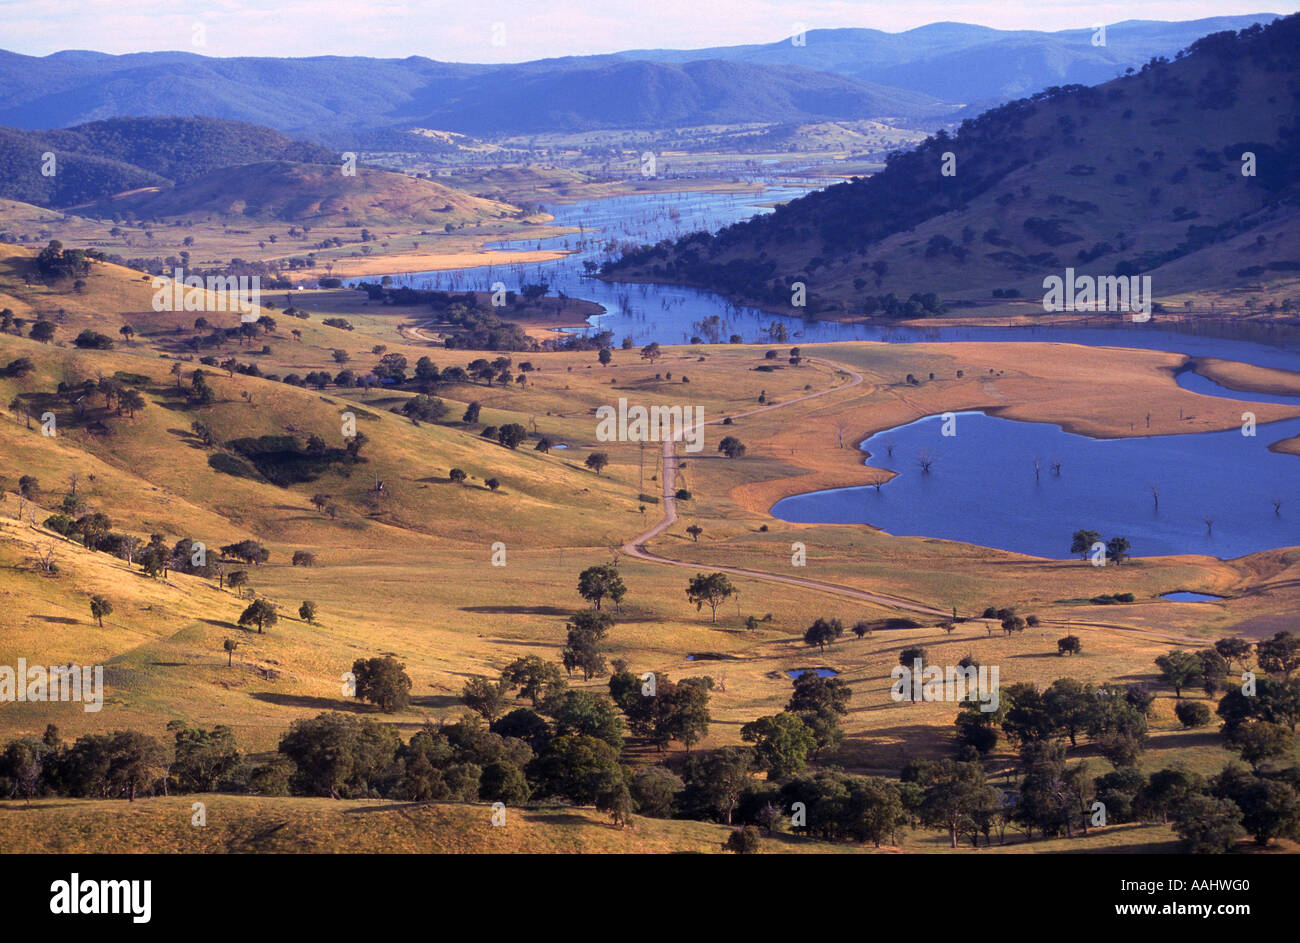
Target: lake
672 314
982 488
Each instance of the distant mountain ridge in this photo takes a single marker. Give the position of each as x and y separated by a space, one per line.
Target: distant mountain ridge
961 62
1143 174
839 74
339 99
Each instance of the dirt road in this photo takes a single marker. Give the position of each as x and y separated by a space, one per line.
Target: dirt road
636 546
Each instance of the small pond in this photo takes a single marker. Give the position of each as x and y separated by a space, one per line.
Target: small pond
820 672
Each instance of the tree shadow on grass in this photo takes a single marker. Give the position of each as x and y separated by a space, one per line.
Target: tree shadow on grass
518 610
1204 738
559 818
251 840
435 700
1136 848
59 620
794 841
521 643
224 625
390 807
345 705
892 747
18 804
189 438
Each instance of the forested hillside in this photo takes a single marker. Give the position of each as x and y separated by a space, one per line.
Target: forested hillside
1101 178
96 160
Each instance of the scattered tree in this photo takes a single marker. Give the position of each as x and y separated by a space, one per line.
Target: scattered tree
100 607
713 590
261 612
382 682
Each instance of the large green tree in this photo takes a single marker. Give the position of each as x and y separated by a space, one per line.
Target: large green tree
1178 669
601 582
823 632
711 590
782 743
259 612
382 682
1208 826
536 679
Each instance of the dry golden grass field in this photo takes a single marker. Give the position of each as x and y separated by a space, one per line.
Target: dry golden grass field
406 569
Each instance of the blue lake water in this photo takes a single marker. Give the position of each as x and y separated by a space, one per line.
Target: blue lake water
673 314
1190 597
982 488
819 672
1190 380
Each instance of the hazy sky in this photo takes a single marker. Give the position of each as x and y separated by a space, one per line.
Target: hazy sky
514 30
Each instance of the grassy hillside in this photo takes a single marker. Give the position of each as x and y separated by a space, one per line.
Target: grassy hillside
164 168
404 564
1140 175
317 194
302 251
248 825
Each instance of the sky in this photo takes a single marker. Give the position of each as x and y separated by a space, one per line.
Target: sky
518 30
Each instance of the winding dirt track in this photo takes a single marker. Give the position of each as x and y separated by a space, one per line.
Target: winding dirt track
636 546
